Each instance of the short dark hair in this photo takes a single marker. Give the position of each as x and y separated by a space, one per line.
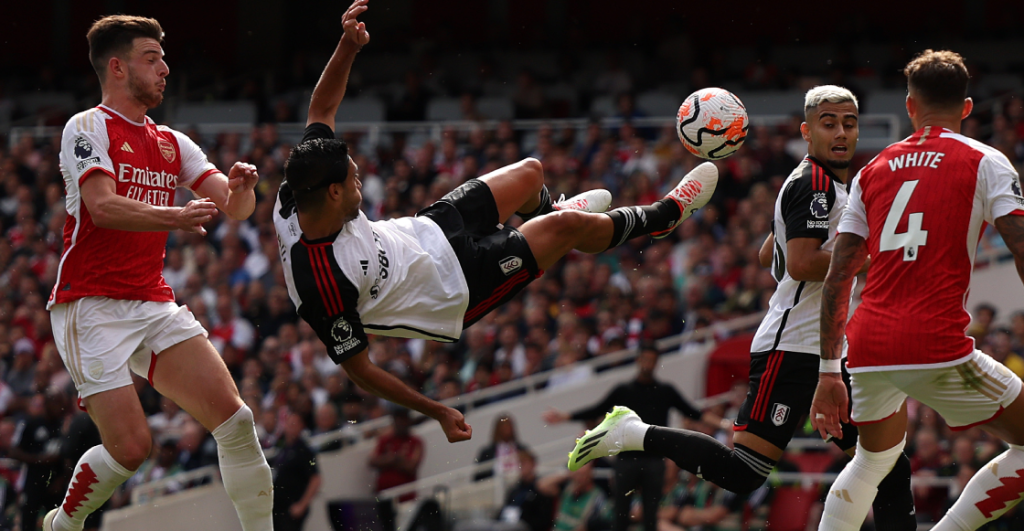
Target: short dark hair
311 166
938 78
114 35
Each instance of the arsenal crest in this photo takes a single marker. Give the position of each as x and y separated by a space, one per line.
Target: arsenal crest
167 150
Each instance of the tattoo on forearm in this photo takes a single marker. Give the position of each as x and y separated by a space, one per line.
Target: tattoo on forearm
847 257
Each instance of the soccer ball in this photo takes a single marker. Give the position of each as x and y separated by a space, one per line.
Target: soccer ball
712 123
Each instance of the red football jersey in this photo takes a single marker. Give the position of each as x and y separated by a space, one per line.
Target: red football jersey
147 162
921 205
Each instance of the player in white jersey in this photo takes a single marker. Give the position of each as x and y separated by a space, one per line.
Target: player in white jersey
918 210
784 352
112 312
430 275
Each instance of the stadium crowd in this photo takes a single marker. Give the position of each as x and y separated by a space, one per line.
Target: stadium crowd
586 306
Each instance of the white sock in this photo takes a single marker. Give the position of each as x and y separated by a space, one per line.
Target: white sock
96 476
244 469
992 491
633 434
850 497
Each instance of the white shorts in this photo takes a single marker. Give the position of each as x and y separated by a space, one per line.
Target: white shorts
100 339
971 393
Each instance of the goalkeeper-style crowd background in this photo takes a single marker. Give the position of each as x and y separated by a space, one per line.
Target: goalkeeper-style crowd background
247 69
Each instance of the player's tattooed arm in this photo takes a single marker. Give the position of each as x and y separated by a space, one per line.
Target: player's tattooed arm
848 256
1011 228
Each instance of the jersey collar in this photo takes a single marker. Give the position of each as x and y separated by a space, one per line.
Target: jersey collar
326 240
123 117
824 168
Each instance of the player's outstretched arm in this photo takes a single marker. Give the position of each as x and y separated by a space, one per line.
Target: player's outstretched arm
829 406
330 90
1011 228
372 378
111 211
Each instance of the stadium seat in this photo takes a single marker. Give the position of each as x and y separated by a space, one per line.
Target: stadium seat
772 102
603 106
658 104
996 84
790 508
496 108
48 102
444 109
361 110
887 102
223 112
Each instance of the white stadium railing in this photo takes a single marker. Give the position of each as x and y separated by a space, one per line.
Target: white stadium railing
877 130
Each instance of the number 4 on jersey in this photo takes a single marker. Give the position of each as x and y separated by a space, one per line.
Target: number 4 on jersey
914 237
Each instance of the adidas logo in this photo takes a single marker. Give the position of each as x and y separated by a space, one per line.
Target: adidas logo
262 493
842 494
365 264
126 147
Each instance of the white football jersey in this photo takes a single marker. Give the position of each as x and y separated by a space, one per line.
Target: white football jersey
809 206
397 278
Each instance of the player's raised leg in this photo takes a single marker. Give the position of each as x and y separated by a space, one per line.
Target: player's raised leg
519 189
552 236
101 469
193 374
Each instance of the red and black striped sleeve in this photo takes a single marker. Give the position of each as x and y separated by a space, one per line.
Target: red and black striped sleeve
328 299
807 202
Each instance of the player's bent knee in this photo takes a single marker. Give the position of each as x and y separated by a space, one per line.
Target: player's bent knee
567 224
745 481
533 176
131 452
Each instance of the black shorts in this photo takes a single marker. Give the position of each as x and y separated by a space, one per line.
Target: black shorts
782 387
497 261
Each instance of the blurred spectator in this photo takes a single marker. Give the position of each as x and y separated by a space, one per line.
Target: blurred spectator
983 317
36 442
398 455
1000 343
524 502
582 505
296 477
504 450
170 422
928 461
326 422
162 463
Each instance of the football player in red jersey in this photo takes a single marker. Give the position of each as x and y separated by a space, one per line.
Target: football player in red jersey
112 312
918 210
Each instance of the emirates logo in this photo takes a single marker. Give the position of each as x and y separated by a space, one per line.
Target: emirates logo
167 150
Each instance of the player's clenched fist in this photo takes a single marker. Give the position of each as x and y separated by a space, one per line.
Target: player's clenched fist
192 216
455 426
355 31
242 177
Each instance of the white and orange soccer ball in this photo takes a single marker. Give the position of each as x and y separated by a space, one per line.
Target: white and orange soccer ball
712 123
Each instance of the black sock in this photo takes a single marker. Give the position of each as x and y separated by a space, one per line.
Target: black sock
634 221
894 504
741 470
544 208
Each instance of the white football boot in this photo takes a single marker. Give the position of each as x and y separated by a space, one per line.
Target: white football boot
693 192
608 438
595 201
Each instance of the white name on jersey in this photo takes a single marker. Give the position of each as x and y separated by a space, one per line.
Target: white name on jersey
930 159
